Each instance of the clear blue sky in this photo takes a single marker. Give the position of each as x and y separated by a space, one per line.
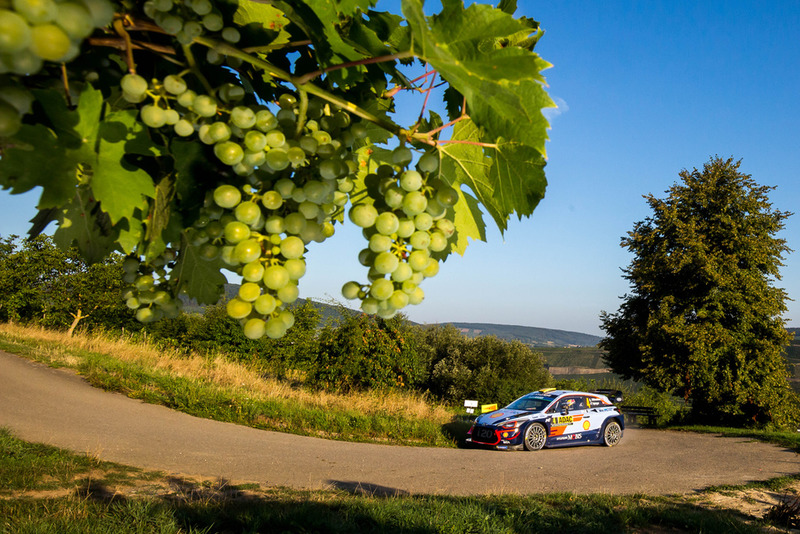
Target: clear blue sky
645 90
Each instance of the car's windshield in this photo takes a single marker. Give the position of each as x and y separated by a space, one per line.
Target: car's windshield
531 404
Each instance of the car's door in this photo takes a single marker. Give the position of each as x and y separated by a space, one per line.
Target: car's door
569 415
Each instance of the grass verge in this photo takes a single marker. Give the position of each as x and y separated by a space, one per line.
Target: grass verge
790 440
216 388
120 499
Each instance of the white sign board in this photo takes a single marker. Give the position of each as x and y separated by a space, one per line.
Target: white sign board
470 404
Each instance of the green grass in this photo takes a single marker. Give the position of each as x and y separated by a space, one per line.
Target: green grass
203 507
790 440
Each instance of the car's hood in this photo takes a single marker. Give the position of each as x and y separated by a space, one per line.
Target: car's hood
502 416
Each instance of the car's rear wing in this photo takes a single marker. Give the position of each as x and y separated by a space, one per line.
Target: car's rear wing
614 395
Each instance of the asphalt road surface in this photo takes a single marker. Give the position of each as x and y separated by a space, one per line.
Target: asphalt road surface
58 407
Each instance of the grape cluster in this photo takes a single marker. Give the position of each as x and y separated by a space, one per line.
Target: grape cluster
408 231
187 19
149 292
299 171
35 31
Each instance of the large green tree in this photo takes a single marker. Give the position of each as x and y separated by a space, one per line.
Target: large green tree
703 317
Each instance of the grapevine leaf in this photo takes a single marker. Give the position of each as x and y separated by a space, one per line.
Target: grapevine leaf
130 237
514 190
83 224
469 222
352 7
470 49
118 185
265 16
200 278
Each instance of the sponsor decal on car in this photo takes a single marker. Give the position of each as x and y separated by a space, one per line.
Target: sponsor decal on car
586 425
559 420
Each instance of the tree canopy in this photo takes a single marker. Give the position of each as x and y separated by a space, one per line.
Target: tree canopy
197 136
703 317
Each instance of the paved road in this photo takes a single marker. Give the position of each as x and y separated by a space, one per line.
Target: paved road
58 407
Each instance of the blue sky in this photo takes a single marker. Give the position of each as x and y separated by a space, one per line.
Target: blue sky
645 90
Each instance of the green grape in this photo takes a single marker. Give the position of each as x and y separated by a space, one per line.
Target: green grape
162 5
296 155
402 273
276 276
363 215
213 22
236 232
169 23
145 315
381 289
249 291
204 106
238 308
386 263
432 269
287 318
202 133
255 140
49 42
423 221
285 187
420 240
132 303
276 138
287 101
243 117
446 226
227 257
447 196
209 252
228 152
411 181
10 121
398 300
401 156
15 33
253 271
153 116
416 296
24 62
189 31
275 327
322 137
380 243
265 120
172 116
18 97
36 11
292 247
231 35
428 162
274 224
183 128
418 259
265 304
438 242
102 12
227 196
414 203
186 98
288 293
75 20
369 305
315 191
359 130
247 212
387 223
144 282
174 84
308 144
255 328
351 290
366 257
394 196
294 223
277 159
308 209
162 298
296 268
272 200
435 209
218 131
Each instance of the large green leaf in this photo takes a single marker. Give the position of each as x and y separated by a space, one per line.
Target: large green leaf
473 50
200 278
118 185
83 224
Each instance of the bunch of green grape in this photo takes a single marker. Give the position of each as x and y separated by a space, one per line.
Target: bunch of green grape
35 31
408 232
149 293
187 19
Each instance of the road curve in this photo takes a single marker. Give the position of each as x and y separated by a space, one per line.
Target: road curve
58 407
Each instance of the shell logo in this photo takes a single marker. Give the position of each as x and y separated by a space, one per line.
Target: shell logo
586 425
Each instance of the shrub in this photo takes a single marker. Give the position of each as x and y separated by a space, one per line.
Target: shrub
486 368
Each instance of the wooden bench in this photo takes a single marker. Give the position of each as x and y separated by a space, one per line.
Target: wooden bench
643 411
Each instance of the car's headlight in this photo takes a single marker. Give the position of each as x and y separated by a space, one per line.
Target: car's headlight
511 425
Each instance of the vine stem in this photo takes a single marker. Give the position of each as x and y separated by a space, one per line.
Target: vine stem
465 142
369 61
310 88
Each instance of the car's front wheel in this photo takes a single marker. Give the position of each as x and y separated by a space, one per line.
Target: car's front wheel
612 434
535 437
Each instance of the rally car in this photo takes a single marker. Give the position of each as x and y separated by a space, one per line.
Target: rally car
551 418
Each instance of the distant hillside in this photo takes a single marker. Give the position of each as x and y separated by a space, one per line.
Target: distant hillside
530 335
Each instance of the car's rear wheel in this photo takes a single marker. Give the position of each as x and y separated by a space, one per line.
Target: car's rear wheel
535 437
612 434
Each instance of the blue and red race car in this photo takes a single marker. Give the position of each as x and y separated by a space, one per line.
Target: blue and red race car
551 418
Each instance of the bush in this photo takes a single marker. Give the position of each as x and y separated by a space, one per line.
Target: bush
487 369
365 352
